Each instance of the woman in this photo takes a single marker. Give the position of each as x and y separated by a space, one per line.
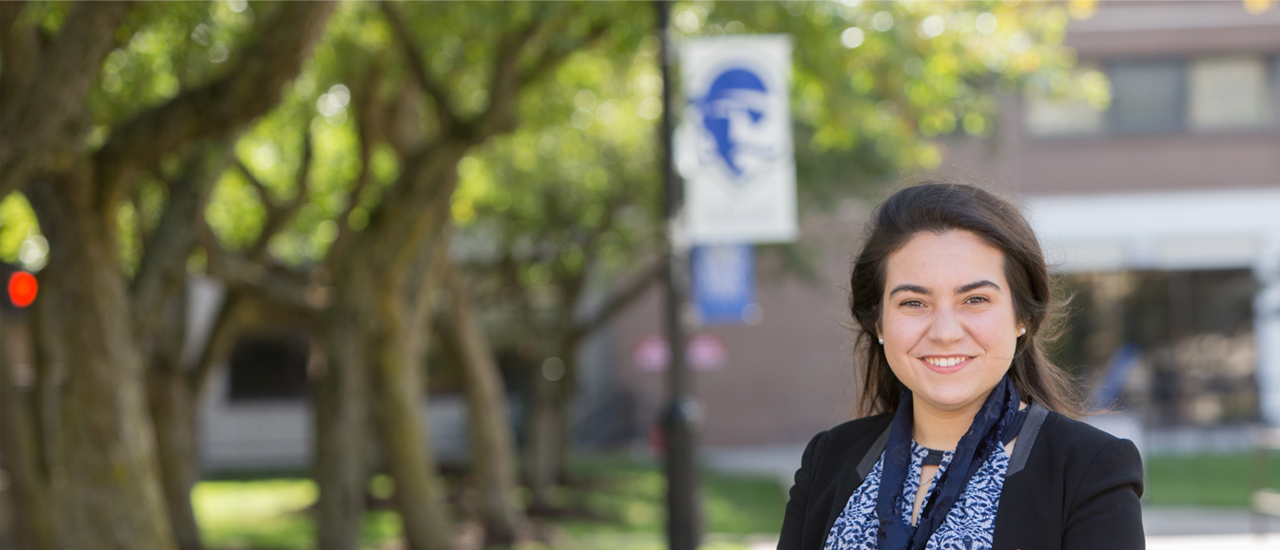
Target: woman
951 294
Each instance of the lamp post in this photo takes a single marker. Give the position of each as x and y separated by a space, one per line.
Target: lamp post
682 414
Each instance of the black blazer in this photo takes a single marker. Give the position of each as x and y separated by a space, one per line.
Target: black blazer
1069 486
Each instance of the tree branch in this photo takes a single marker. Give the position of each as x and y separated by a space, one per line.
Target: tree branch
224 106
504 88
19 48
550 59
418 68
34 122
366 105
164 262
618 300
509 80
288 290
278 213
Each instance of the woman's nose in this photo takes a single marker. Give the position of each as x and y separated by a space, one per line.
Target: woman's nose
946 326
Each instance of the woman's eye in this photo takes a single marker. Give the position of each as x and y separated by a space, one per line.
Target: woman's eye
977 300
912 303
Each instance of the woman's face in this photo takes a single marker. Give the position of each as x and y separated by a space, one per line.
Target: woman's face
947 319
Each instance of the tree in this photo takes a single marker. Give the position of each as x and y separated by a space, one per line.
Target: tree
554 211
372 266
492 437
95 314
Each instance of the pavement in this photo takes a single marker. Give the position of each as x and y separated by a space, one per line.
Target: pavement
1167 527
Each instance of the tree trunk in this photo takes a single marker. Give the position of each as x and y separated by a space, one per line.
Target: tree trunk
32 516
410 459
544 438
173 413
562 410
492 440
551 430
55 96
104 469
159 298
340 404
396 244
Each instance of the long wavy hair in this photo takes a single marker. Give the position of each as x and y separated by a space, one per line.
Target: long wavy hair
938 207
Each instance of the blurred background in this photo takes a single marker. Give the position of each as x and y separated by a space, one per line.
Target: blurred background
390 275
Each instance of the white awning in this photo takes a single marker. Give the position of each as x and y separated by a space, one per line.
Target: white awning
1210 229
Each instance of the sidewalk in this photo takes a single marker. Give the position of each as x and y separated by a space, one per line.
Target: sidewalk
1187 521
1214 542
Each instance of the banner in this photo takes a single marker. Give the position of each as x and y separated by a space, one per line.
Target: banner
734 147
724 283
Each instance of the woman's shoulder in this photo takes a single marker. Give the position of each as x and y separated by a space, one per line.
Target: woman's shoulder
1064 430
853 435
859 428
1080 450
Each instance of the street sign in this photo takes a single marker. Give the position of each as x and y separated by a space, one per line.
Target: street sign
702 352
734 148
723 282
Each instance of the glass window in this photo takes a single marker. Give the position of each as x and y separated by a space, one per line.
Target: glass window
1147 96
269 368
1073 107
1275 88
1228 92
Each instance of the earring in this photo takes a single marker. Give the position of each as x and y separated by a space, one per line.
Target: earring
1023 331
882 341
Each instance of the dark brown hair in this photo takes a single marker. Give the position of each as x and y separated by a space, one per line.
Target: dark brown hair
938 207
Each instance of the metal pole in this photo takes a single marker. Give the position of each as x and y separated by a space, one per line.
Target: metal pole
682 413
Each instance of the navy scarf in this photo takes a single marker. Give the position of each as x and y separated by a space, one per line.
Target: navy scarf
999 415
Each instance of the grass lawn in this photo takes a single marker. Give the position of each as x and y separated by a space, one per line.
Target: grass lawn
618 504
1205 480
630 497
271 514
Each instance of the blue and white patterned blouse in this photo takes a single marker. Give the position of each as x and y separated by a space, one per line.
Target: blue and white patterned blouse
969 525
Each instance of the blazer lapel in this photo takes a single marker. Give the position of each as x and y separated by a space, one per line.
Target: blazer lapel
852 477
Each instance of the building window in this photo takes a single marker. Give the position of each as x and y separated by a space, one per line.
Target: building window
269 367
1137 96
1074 107
1228 93
1275 87
1147 96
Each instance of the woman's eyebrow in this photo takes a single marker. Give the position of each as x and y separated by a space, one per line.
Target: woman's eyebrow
910 288
976 285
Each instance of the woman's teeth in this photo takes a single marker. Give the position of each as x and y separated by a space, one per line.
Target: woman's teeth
945 361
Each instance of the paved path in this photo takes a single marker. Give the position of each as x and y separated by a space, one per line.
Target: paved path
1170 520
1214 542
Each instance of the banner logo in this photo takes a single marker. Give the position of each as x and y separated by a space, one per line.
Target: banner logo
734 113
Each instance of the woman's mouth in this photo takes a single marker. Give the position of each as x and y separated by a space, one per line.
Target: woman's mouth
946 363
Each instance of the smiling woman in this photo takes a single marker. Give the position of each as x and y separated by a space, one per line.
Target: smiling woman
951 294
948 327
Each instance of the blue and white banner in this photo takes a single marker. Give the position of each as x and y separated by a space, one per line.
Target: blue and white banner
724 283
734 147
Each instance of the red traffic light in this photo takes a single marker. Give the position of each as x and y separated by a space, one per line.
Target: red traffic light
22 288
